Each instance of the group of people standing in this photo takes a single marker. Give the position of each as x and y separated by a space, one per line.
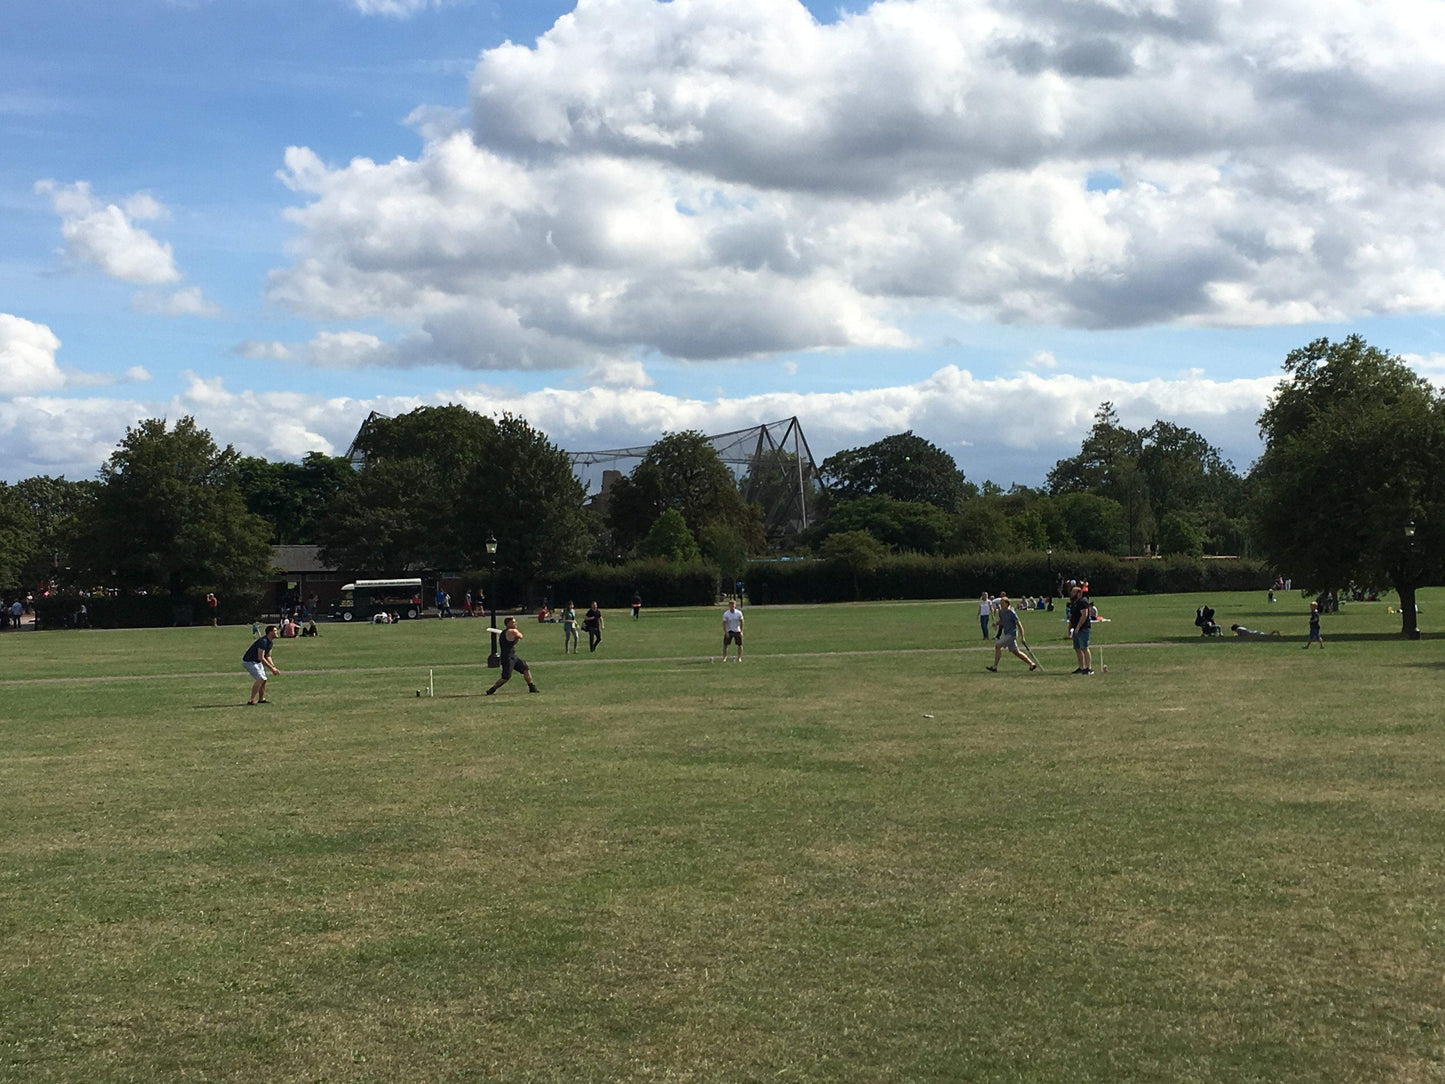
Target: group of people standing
591 624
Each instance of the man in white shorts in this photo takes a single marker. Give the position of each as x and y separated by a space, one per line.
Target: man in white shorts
732 629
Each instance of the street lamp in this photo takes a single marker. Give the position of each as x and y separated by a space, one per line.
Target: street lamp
495 658
1049 556
1412 618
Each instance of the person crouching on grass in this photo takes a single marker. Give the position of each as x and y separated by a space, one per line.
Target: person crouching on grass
510 635
1010 628
257 661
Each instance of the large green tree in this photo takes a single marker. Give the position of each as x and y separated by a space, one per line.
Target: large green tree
1354 462
902 466
17 538
911 526
292 496
682 471
37 523
1152 472
168 514
436 482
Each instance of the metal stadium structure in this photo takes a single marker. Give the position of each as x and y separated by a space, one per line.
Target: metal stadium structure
772 462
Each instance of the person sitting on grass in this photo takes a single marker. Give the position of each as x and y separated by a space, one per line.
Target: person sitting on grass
256 662
1010 628
1251 634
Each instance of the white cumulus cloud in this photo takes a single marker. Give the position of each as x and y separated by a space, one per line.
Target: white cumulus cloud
27 357
1047 417
105 235
187 302
727 178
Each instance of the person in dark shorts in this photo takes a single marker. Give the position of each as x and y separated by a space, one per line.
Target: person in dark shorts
1080 611
510 635
1315 636
732 623
636 605
256 661
592 623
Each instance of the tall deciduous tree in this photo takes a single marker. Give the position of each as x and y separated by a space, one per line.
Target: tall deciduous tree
682 471
292 496
1354 459
436 482
903 466
169 514
913 526
524 492
37 522
1152 472
669 538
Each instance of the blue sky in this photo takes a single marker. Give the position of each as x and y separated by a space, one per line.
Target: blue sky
976 219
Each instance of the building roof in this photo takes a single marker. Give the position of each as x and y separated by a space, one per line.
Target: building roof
299 559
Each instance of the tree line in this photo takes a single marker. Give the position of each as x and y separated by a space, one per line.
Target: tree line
1350 488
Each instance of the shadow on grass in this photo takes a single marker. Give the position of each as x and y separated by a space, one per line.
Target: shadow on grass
1288 636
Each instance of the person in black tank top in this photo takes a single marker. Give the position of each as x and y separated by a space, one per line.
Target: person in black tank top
509 638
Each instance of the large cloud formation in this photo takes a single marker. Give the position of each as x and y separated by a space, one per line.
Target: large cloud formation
720 178
1048 416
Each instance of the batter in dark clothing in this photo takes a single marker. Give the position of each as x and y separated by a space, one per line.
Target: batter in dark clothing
592 622
510 635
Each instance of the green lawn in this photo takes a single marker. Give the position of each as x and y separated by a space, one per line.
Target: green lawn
856 857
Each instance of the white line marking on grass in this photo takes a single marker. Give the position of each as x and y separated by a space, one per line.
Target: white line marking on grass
556 662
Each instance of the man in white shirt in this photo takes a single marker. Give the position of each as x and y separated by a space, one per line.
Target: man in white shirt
732 629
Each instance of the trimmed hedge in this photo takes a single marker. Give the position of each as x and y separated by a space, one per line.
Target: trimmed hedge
128 611
659 582
913 575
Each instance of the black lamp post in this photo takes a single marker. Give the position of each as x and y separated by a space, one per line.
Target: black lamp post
495 658
1049 556
1412 619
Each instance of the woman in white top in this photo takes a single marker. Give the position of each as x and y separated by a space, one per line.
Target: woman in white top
985 612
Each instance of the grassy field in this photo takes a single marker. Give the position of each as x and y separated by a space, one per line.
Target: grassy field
856 857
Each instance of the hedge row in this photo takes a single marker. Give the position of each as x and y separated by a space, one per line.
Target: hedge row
129 611
659 582
662 583
969 575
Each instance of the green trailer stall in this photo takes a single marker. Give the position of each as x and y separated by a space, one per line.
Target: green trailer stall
364 599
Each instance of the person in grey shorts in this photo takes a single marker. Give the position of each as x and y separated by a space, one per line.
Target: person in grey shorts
256 661
1010 628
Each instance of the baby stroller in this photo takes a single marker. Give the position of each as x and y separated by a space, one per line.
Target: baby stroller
1204 619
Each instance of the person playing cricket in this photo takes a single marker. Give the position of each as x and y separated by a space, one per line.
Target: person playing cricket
257 661
509 639
732 622
1010 628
